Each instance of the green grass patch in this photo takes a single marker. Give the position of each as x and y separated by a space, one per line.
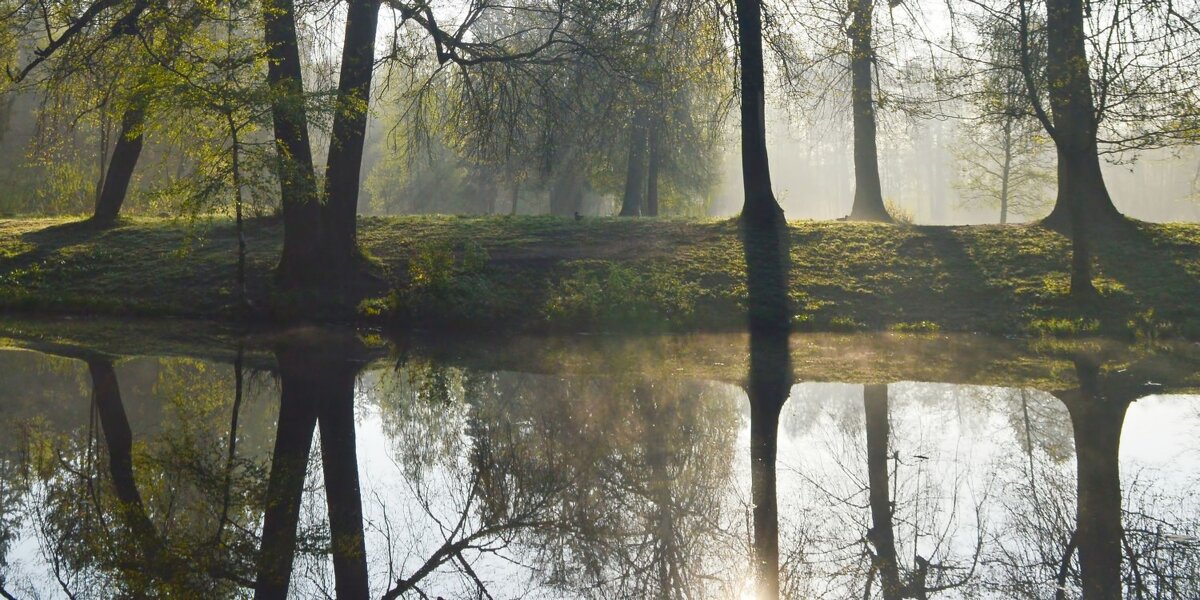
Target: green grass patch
547 273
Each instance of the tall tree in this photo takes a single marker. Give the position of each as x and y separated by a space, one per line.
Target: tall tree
1117 79
760 208
300 260
118 40
1082 195
633 200
868 191
344 165
1003 149
125 154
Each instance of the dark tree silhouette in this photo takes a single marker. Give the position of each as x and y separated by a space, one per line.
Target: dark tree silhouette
759 209
868 192
317 386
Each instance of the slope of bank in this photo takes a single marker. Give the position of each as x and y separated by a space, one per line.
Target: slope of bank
536 273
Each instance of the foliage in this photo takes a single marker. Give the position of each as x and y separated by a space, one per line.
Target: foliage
447 283
605 295
1005 155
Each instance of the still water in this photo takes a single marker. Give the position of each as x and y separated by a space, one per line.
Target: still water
318 466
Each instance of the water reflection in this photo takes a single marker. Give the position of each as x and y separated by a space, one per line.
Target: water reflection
767 251
316 472
317 379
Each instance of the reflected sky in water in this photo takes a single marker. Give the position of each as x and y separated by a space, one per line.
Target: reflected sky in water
604 483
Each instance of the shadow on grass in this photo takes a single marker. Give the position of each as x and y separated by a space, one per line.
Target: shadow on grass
1151 273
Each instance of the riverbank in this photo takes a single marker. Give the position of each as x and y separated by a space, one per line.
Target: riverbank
544 273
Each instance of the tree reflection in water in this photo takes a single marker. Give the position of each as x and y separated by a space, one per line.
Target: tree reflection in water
766 247
175 477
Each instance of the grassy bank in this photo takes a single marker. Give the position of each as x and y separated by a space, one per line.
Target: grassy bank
609 274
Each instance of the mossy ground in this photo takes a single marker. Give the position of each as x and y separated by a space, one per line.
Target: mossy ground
545 273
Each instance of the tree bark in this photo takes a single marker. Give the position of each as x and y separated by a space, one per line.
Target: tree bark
635 171
300 260
868 191
1069 89
759 207
344 165
120 167
652 169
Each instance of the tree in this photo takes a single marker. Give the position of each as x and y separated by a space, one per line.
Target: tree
344 164
759 208
116 40
1003 166
300 261
868 191
1115 78
633 201
864 56
1074 128
1003 148
678 107
319 242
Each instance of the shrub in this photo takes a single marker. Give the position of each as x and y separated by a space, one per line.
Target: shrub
447 283
619 297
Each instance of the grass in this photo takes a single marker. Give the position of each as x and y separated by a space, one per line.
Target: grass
545 273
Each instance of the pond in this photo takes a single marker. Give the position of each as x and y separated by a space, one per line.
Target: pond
177 461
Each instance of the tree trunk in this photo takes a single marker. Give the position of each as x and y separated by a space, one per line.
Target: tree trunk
759 207
299 262
652 169
882 533
1006 169
344 165
868 192
635 172
120 167
1069 88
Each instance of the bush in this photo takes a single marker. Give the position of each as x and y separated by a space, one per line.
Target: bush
447 283
618 297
